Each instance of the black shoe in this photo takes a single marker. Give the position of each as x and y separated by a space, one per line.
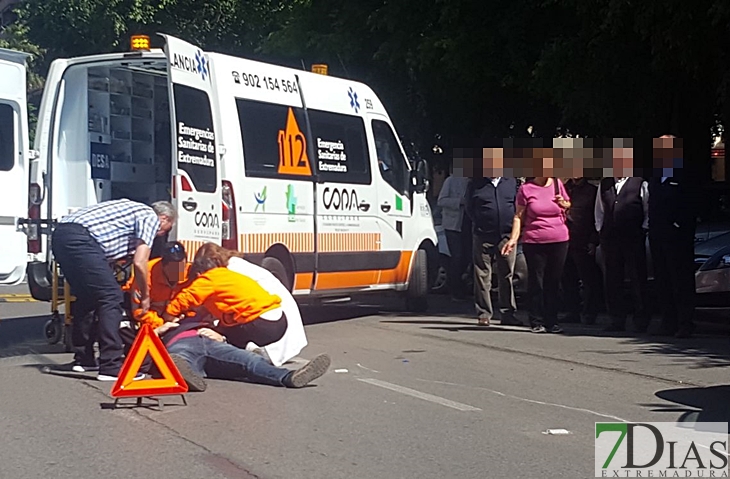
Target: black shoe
665 331
195 383
683 333
589 319
615 328
510 320
538 329
555 329
308 373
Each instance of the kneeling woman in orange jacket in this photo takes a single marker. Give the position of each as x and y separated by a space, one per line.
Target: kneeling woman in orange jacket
245 312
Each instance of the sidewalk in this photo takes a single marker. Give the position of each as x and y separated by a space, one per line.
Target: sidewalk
702 360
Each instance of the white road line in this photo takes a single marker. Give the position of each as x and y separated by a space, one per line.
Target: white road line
367 369
532 401
418 394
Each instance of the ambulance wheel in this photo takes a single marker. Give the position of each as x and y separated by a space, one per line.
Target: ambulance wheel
278 270
417 292
53 330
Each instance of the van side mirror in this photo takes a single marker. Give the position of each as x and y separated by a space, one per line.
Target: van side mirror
419 177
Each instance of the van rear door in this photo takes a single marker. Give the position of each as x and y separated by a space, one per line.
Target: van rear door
13 165
195 157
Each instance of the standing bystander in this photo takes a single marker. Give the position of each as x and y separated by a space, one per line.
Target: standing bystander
84 244
622 220
672 221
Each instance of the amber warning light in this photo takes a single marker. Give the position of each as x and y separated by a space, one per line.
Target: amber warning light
140 42
320 68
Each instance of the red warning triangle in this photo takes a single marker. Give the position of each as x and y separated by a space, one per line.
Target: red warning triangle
171 382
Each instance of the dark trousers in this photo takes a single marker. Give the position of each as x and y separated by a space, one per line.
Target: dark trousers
581 269
484 253
545 264
626 257
261 332
84 335
673 261
459 249
96 290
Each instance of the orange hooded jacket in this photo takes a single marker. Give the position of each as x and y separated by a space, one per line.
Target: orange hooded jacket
229 296
160 292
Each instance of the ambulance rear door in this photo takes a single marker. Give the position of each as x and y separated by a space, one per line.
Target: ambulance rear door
196 150
13 165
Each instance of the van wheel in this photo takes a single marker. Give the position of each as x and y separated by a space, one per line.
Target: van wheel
278 270
417 292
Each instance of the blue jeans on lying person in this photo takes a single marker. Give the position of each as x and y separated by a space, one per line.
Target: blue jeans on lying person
209 358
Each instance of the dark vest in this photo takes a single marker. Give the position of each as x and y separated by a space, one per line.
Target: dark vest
491 209
623 214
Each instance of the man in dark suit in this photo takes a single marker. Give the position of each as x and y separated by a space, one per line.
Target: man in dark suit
622 210
672 223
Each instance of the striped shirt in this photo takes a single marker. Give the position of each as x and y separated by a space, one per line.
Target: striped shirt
118 226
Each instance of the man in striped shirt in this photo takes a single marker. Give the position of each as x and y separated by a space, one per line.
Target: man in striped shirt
85 244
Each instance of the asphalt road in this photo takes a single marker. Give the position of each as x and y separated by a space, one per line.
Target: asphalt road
407 397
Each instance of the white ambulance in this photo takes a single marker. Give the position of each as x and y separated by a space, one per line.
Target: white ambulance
14 157
302 172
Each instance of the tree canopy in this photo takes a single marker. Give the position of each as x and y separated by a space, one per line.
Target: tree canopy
462 69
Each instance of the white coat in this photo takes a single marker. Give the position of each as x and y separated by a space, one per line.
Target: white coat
294 339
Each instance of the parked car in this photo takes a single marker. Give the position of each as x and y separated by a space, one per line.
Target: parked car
712 276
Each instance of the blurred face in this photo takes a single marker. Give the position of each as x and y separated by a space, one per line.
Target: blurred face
667 153
623 162
548 162
165 225
493 162
174 271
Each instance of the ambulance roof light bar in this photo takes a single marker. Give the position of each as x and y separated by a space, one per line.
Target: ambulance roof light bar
139 43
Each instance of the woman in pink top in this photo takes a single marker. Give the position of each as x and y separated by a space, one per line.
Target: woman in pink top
540 217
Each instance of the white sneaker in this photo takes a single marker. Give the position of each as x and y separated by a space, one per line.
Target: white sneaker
79 368
105 377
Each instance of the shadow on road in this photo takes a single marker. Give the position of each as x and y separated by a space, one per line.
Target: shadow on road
709 404
707 349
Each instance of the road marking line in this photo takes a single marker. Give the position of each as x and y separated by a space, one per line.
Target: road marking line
532 401
420 395
367 369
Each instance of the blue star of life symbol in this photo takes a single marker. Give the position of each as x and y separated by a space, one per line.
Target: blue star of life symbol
353 99
201 64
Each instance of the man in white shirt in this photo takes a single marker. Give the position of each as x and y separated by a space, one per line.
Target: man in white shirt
622 220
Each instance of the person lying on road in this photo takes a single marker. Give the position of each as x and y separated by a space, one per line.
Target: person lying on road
199 352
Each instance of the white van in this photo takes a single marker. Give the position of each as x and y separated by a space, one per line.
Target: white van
14 157
302 172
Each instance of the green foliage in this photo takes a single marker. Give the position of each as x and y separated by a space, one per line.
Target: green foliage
464 69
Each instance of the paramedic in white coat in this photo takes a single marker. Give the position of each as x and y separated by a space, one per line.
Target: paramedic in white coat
292 340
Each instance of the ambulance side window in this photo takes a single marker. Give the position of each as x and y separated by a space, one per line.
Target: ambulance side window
340 148
391 162
266 128
195 137
7 137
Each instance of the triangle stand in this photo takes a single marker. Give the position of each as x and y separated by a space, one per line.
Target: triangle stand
170 384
